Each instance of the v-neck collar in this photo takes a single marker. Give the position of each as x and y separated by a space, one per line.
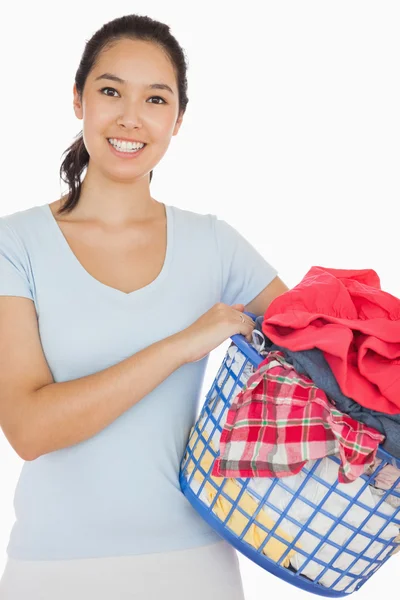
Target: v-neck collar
102 287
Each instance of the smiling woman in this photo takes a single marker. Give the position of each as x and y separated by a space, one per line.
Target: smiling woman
110 303
128 111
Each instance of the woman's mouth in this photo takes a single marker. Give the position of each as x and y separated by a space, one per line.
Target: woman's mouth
126 150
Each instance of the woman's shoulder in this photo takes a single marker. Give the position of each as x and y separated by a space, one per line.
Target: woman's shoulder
194 221
22 229
20 218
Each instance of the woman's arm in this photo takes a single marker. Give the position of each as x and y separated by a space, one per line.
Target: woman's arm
259 305
38 415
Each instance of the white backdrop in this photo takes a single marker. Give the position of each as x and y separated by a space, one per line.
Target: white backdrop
291 135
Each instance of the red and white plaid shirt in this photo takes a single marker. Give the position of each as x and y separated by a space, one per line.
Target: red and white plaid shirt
280 420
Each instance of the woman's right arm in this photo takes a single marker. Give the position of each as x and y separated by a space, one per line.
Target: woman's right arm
39 416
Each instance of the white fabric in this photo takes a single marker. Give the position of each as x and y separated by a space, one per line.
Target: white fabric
335 504
201 573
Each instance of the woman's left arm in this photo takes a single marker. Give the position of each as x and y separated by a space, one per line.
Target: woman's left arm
259 305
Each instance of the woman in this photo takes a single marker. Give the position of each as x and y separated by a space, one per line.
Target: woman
110 302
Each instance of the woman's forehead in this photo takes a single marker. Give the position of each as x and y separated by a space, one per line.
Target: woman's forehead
134 62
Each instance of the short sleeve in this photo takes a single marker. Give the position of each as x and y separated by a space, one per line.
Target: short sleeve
14 280
244 271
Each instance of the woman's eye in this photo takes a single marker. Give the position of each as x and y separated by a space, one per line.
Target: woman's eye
159 98
108 88
152 97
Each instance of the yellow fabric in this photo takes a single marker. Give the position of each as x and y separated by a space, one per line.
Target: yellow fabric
238 521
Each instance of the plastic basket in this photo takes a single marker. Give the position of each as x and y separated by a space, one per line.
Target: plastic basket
277 526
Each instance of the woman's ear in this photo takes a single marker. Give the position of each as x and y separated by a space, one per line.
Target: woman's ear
178 124
77 104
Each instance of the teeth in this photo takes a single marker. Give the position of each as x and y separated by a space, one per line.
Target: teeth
125 146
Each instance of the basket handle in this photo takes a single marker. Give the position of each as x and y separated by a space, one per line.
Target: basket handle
251 315
240 341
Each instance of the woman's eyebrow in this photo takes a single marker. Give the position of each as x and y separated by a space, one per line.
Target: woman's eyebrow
154 86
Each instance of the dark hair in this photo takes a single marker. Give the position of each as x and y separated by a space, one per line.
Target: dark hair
135 27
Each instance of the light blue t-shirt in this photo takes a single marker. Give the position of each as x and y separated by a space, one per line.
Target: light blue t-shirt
117 493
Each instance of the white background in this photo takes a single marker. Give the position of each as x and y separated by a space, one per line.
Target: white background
291 135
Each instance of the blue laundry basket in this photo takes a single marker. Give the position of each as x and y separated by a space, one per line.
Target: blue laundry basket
264 525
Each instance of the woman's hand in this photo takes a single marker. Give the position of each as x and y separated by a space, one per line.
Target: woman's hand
212 329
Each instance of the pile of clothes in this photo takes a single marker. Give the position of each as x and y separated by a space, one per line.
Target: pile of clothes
324 398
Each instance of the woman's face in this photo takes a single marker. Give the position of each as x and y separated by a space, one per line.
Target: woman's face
133 109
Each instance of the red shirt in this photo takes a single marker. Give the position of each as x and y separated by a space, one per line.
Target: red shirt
345 314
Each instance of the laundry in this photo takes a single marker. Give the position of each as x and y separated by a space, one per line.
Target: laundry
324 520
259 338
345 314
238 364
386 478
280 420
314 364
239 519
233 374
334 499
